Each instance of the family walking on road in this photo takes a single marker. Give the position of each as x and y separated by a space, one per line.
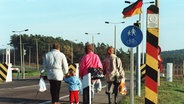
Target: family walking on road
56 67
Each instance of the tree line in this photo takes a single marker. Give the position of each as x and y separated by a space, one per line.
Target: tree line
175 56
73 51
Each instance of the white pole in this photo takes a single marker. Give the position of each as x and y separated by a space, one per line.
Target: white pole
138 72
138 82
169 72
131 76
86 84
7 56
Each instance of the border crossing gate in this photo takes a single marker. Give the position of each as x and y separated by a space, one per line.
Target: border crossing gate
5 69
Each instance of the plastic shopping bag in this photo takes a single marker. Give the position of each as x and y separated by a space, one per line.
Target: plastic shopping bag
97 85
122 87
42 85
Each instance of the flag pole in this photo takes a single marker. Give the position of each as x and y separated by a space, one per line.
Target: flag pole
138 82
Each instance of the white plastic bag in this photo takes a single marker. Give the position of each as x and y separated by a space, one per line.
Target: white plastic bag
42 85
122 87
97 85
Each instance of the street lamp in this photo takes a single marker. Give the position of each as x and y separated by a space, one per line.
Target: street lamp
115 23
93 36
24 53
21 48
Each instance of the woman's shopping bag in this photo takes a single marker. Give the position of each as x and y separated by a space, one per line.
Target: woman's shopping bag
42 85
96 73
122 87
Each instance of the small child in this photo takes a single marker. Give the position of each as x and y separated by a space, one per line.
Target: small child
74 86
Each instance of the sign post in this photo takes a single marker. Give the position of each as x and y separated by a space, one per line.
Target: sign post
86 84
131 36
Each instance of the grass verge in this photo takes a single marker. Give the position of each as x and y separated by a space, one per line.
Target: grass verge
168 93
30 73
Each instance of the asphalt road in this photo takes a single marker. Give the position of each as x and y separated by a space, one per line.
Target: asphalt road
24 91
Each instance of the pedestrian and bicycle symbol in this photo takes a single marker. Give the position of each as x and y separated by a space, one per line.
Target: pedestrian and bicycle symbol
131 36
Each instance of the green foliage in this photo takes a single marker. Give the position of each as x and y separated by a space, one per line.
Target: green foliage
45 45
176 56
67 46
29 73
168 93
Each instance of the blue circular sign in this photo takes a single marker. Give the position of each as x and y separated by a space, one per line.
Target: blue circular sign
131 36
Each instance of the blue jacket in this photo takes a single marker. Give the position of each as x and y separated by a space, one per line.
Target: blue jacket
74 83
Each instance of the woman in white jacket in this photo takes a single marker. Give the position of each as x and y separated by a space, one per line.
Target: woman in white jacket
55 64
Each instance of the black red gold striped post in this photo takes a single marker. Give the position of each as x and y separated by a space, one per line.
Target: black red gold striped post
151 79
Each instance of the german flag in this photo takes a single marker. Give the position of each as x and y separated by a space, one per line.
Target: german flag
133 9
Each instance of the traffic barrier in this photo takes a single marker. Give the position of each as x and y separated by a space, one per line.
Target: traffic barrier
5 69
5 73
18 72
